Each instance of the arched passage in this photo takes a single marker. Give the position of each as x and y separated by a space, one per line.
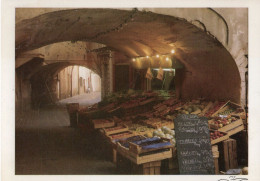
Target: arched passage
210 71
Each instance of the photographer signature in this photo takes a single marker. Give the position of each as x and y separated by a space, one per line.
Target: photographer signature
233 178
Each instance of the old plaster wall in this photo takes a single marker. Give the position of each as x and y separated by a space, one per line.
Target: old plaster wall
75 80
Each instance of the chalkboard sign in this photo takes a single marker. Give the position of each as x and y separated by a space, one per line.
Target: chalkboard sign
193 145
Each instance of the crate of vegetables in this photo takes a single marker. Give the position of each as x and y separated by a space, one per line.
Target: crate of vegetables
144 156
229 108
231 124
147 101
115 129
217 136
149 144
121 135
102 123
217 106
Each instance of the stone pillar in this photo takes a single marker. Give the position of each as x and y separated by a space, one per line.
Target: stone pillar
111 70
107 73
105 82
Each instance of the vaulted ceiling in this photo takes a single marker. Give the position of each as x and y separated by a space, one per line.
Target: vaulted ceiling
136 33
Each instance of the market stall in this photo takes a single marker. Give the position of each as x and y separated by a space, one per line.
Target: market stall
140 127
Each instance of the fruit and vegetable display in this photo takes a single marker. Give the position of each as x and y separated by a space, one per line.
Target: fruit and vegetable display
138 128
227 111
230 108
216 134
219 122
165 132
115 129
215 108
158 123
146 145
125 142
192 109
101 121
121 135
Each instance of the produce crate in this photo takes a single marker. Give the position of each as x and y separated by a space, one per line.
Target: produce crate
114 144
151 168
102 123
108 107
145 157
222 138
232 128
228 105
129 105
230 154
215 153
147 101
113 138
217 106
116 129
158 145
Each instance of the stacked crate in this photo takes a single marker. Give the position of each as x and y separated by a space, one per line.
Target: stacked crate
228 154
215 153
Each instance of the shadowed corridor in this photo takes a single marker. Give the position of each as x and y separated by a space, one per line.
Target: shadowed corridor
45 144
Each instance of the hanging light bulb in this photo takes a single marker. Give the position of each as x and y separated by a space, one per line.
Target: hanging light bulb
157 56
167 59
147 56
172 51
133 59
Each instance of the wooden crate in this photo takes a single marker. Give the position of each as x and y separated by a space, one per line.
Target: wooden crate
138 159
206 109
138 149
147 101
151 168
220 109
229 104
216 165
108 107
225 137
215 153
233 127
116 129
230 154
121 135
102 123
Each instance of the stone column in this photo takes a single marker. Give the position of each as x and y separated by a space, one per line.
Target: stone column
107 66
111 70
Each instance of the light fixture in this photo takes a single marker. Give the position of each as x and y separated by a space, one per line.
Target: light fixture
166 69
172 51
167 59
157 56
133 59
147 56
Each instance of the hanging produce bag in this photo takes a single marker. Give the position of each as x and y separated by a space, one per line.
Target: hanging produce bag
149 74
160 74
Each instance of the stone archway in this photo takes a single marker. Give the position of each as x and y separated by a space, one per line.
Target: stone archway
210 69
